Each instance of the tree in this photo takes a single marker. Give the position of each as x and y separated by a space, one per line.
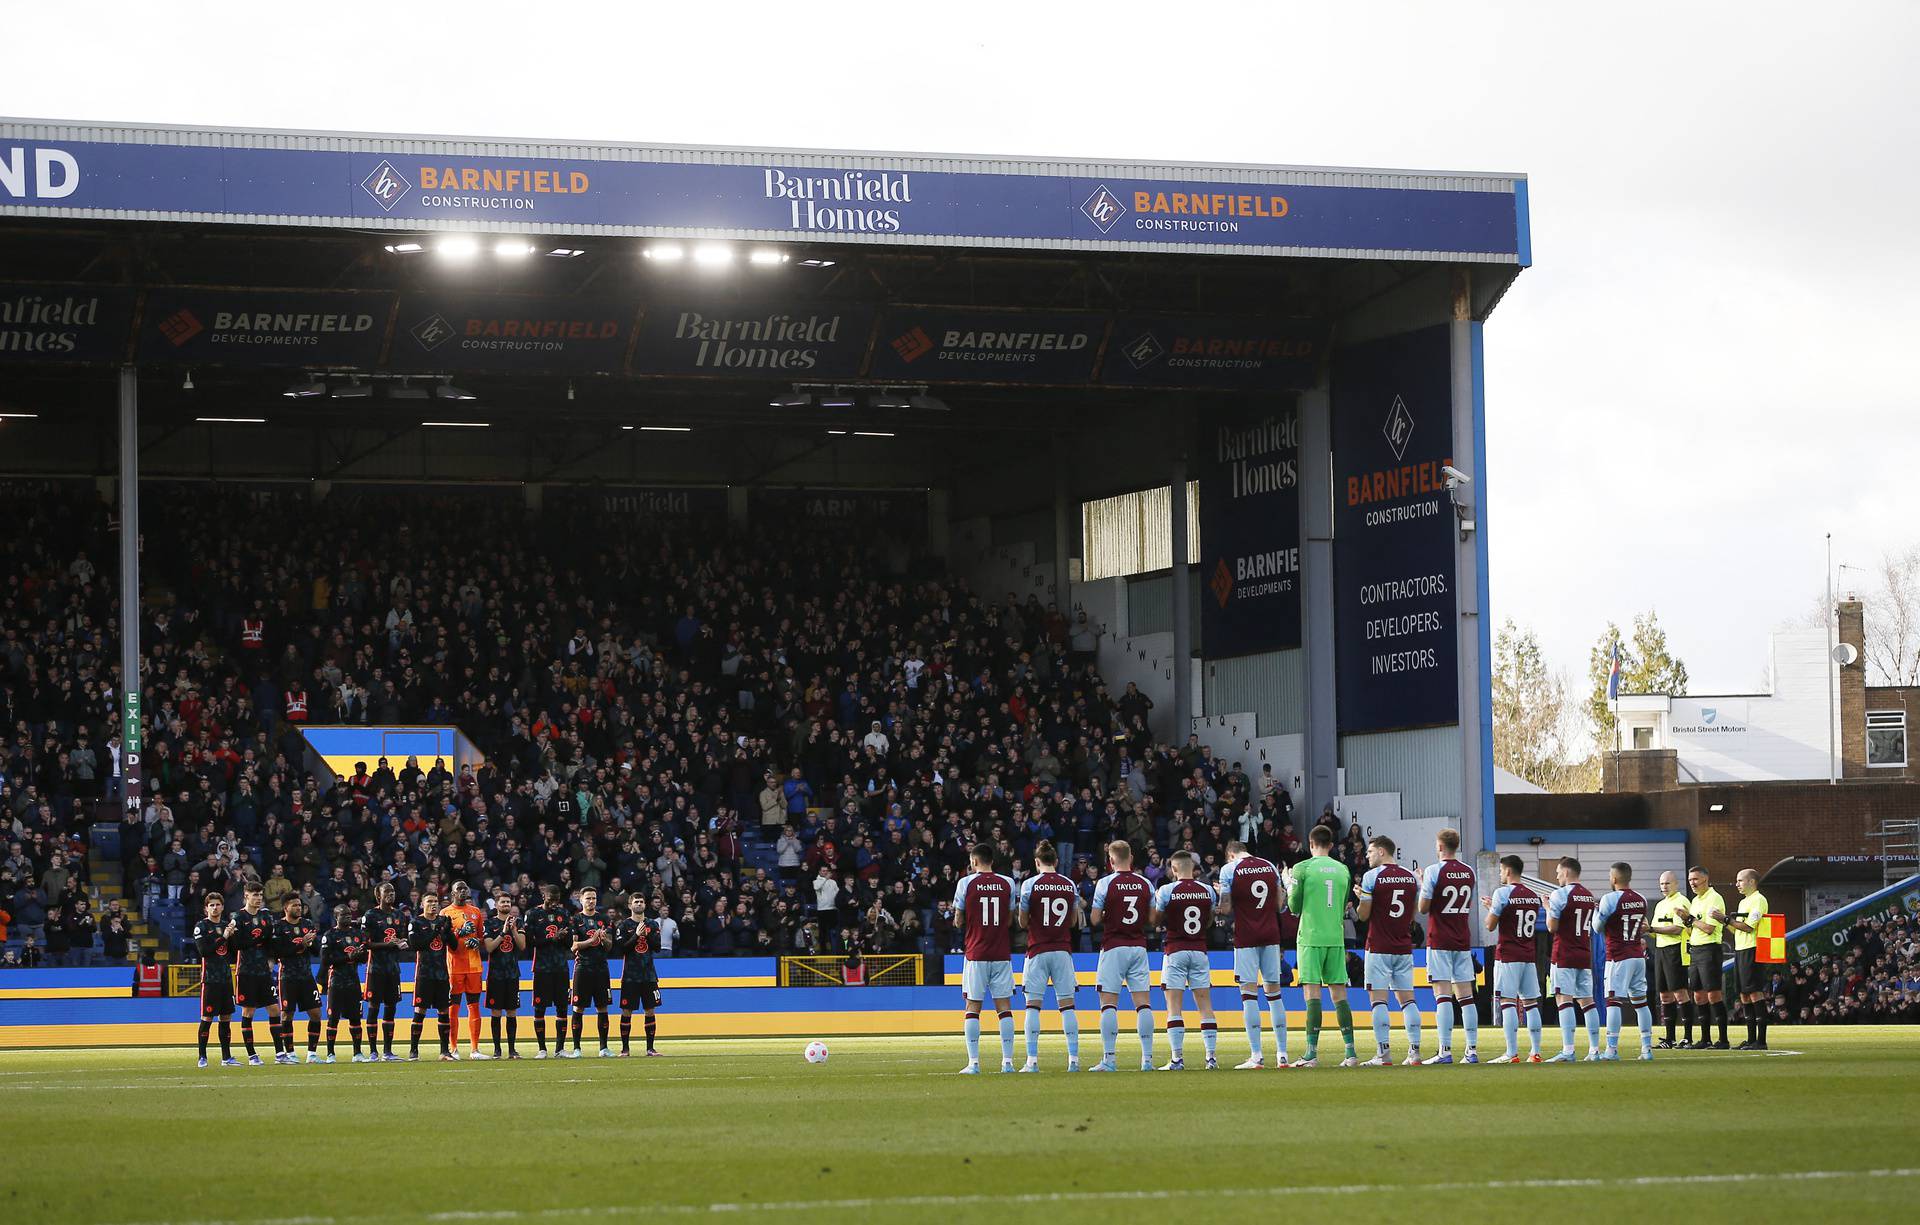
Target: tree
1539 731
1893 619
1646 666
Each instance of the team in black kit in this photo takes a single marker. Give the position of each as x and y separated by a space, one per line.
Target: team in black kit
252 960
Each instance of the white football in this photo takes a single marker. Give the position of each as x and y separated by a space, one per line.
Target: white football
816 1052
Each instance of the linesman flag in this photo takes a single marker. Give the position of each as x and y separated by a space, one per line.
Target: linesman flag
1770 946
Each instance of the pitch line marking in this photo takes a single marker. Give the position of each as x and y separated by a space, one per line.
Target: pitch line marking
1064 1197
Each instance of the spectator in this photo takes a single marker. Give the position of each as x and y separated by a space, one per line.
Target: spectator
116 934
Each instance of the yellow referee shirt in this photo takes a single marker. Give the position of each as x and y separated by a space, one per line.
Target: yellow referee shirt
1753 908
1666 913
1702 907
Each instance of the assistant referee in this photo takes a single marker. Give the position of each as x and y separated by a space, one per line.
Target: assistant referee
1749 981
1706 916
1669 931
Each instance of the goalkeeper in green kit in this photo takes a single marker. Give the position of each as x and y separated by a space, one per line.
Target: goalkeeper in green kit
1317 891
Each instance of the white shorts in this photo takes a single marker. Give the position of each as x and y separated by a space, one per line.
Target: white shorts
1451 966
986 980
1575 983
1627 980
1187 970
1123 967
1388 972
1516 980
1053 969
1260 964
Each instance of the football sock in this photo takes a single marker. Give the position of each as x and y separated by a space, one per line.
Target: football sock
1686 1017
1177 1039
1313 1025
1614 1016
1760 1023
513 1031
1510 1025
1033 1031
419 1023
1720 1018
1443 1018
1592 1012
603 1029
246 1033
1344 1011
1569 1025
1006 1036
1533 1029
473 1023
626 1032
651 1025
540 1028
1143 1024
226 1038
206 1027
1277 1013
1109 1031
1643 1017
1210 1036
1470 1019
283 1029
496 1033
353 1029
579 1023
1382 1027
1070 1021
333 1033
449 1032
1250 1009
1410 1017
972 1031
1668 1014
313 1033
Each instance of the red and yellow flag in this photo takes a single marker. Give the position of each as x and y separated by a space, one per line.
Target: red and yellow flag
1771 943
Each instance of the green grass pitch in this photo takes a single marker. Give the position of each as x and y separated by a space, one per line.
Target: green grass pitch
885 1132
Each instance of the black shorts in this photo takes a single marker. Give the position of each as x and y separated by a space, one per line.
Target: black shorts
592 987
383 986
636 992
503 991
343 1001
431 993
216 998
299 992
1747 973
256 991
550 989
1667 967
1703 968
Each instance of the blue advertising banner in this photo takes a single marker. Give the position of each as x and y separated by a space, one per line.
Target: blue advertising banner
1250 531
472 332
798 342
242 327
64 323
1231 354
1393 528
936 343
638 501
882 199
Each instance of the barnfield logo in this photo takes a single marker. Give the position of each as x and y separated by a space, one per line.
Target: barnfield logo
1221 584
386 185
914 344
1399 427
181 326
1103 208
1144 350
432 332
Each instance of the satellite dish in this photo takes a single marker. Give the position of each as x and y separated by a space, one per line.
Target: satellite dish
1846 653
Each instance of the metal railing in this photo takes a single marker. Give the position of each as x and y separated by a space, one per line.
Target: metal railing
878 970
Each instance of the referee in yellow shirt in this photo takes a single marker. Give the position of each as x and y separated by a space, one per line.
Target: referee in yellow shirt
1749 980
1669 932
1706 919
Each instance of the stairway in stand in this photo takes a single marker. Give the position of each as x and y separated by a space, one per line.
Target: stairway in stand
106 889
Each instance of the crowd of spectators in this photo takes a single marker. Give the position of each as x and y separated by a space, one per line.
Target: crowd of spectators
1875 979
785 739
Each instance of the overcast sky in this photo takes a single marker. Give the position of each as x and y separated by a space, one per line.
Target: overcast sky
1708 368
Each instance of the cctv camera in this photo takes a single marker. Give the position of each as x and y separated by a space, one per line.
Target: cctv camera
1455 476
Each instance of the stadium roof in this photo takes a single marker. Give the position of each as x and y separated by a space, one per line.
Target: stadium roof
339 180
